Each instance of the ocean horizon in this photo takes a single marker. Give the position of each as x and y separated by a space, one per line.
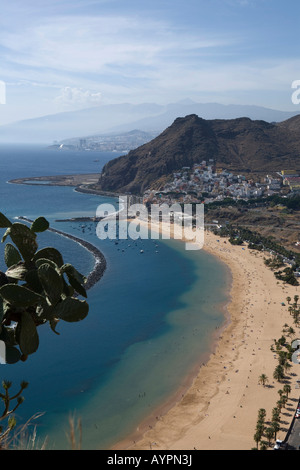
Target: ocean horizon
152 317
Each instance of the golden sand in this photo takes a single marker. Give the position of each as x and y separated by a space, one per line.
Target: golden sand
219 410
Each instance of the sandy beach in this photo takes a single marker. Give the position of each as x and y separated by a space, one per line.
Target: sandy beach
219 410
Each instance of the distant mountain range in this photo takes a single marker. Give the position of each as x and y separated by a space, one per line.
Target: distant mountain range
119 118
240 145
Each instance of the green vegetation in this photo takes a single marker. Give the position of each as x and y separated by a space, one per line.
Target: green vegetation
267 429
279 255
263 379
36 288
282 347
294 310
291 202
287 275
255 238
236 241
7 414
274 262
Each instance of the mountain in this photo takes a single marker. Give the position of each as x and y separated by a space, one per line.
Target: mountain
207 111
239 145
124 117
95 120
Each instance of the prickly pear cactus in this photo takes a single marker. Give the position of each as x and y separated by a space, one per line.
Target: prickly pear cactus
37 287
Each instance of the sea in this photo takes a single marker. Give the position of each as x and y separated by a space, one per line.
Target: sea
152 316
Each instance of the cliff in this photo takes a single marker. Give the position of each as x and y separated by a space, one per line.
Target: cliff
239 145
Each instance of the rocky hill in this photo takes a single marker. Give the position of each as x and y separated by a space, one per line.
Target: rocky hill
239 145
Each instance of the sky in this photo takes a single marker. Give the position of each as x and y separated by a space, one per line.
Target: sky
64 55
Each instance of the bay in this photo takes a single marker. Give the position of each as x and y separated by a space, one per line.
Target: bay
151 318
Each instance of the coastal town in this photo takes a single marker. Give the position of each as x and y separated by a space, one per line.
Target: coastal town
203 182
117 142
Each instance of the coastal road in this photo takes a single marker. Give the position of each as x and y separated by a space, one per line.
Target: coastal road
294 438
292 441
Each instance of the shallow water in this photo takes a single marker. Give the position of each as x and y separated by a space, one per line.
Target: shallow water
151 316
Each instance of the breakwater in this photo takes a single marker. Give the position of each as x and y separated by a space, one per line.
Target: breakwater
100 262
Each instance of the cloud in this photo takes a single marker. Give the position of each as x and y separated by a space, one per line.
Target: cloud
134 57
242 3
98 44
78 97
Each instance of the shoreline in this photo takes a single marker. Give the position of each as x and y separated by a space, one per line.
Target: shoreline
217 406
140 435
218 410
81 183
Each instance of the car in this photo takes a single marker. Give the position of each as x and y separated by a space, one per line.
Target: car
277 444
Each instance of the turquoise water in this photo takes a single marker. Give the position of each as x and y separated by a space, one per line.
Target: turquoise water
151 316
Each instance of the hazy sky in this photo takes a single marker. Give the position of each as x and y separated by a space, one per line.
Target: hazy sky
60 55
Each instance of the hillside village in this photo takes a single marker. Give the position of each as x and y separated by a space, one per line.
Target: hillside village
203 182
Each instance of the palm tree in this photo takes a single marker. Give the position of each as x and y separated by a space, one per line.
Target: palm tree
288 299
287 389
276 427
275 415
278 373
287 366
257 437
282 357
296 298
260 424
260 428
291 332
269 433
263 379
279 404
262 414
284 400
296 314
263 445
